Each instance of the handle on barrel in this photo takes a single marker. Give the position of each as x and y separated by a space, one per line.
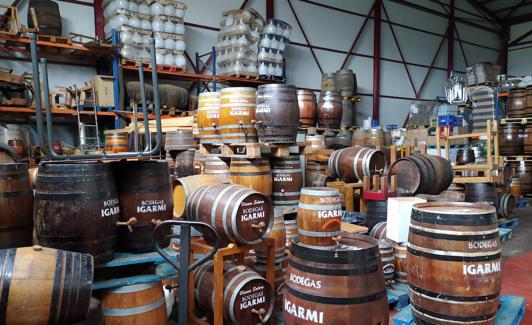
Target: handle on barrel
128 223
259 313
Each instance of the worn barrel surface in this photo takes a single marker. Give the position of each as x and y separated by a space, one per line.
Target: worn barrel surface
287 177
116 142
277 113
209 117
329 110
511 139
254 173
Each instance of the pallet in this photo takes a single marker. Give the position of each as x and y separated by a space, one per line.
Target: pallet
517 158
397 296
167 68
521 203
317 130
509 223
248 150
242 76
511 311
55 39
522 120
505 234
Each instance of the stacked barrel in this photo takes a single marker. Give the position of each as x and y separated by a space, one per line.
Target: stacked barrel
180 148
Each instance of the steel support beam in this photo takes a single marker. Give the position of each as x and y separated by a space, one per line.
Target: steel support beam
98 19
376 58
461 46
509 13
503 55
520 38
486 11
432 63
450 39
357 37
270 9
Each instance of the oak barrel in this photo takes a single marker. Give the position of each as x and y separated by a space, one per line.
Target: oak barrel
19 146
135 304
254 173
237 113
44 286
218 167
315 174
179 140
511 139
527 142
278 234
328 82
279 270
292 234
116 142
145 193
454 263
516 103
307 108
374 137
427 174
379 231
319 216
248 298
76 208
376 212
277 113
524 171
329 110
515 187
465 156
400 262
338 285
353 163
238 214
16 204
387 259
315 142
180 162
481 193
346 83
505 203
209 117
287 177
185 186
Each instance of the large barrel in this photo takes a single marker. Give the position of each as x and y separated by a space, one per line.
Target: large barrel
346 83
324 286
287 178
319 216
145 193
237 113
254 173
209 117
307 108
400 262
505 203
238 214
185 186
48 17
376 212
248 298
218 167
379 231
179 140
454 263
511 139
517 103
329 110
290 226
353 163
76 208
481 193
277 113
44 286
16 204
116 142
135 304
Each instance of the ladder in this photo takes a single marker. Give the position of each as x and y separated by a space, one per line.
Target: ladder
82 127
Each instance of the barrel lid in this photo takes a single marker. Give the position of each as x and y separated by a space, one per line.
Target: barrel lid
319 191
454 214
454 208
276 86
232 89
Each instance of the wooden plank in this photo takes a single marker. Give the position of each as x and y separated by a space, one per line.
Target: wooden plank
351 228
11 78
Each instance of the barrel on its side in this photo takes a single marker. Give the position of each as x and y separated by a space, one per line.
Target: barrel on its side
379 231
253 173
185 186
353 163
505 203
287 178
116 142
277 113
307 108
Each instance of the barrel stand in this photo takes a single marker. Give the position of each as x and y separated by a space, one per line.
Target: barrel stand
198 246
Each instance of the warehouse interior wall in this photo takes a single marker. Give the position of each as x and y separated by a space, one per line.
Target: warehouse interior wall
519 62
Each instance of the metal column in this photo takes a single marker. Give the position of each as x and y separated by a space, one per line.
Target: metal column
376 58
450 39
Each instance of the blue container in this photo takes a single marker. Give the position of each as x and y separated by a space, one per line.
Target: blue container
374 123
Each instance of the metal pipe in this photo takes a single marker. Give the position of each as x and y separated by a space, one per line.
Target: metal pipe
450 39
144 108
156 99
46 90
376 59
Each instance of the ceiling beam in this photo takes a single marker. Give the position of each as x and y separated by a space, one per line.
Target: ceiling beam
520 19
486 11
513 9
520 38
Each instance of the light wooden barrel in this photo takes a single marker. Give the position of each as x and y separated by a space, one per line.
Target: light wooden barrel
400 262
515 187
254 173
237 114
116 142
307 107
209 117
291 231
185 186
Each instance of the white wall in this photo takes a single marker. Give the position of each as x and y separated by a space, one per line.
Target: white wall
519 62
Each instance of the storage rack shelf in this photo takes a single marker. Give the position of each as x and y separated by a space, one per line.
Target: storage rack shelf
68 112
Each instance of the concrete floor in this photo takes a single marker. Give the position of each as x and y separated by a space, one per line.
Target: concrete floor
521 241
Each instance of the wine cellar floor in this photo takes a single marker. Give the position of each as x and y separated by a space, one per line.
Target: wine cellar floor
521 241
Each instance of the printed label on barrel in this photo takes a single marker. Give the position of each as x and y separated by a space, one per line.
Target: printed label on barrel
482 268
213 114
330 199
235 111
326 214
150 206
252 210
110 208
303 313
304 281
388 269
282 177
263 108
252 297
482 244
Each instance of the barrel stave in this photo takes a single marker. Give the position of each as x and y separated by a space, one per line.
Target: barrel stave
277 113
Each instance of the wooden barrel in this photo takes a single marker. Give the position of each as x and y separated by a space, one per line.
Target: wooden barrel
315 142
524 171
465 156
374 137
19 146
209 117
515 187
319 215
307 108
454 263
516 103
387 259
379 231
426 174
44 286
76 208
347 115
323 286
278 234
400 262
527 141
346 83
376 212
328 82
145 193
185 186
287 177
218 167
254 173
481 193
359 137
315 172
506 204
353 163
279 270
8 154
16 204
277 113
245 294
342 139
511 139
179 140
329 110
237 113
48 17
116 142
180 162
239 214
135 304
292 234
443 172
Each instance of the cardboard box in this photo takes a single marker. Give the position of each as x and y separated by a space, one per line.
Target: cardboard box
398 219
103 86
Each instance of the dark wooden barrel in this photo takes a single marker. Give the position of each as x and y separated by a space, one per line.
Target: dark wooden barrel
319 216
240 215
323 286
48 17
524 172
244 291
16 204
527 142
528 100
279 270
465 156
443 172
218 167
423 174
135 304
400 262
307 108
277 113
347 115
185 186
454 263
376 212
313 171
346 82
343 139
379 231
515 187
511 139
180 162
209 117
237 111
506 204
328 82
19 146
353 163
8 154
481 193
76 208
329 110
254 173
116 142
278 234
374 137
516 103
145 193
44 286
290 226
287 177
179 140
387 259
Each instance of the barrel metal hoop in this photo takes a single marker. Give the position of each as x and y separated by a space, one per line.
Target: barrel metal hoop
312 192
318 233
335 300
448 256
285 194
336 272
134 310
318 207
455 232
234 279
237 290
450 298
74 196
8 258
484 219
268 172
362 256
355 163
16 193
465 237
225 217
447 318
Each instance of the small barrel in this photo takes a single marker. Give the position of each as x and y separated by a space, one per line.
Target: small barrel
180 163
254 173
323 286
185 186
179 140
16 204
329 110
374 137
76 208
376 212
248 298
307 108
527 142
353 163
209 117
465 156
277 113
237 114
278 234
359 137
517 103
145 193
511 139
116 142
400 262
135 304
315 142
314 170
379 231
319 216
347 115
515 187
524 172
44 286
218 167
346 82
287 177
454 263
328 82
506 204
291 231
238 214
387 258
19 146
481 193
